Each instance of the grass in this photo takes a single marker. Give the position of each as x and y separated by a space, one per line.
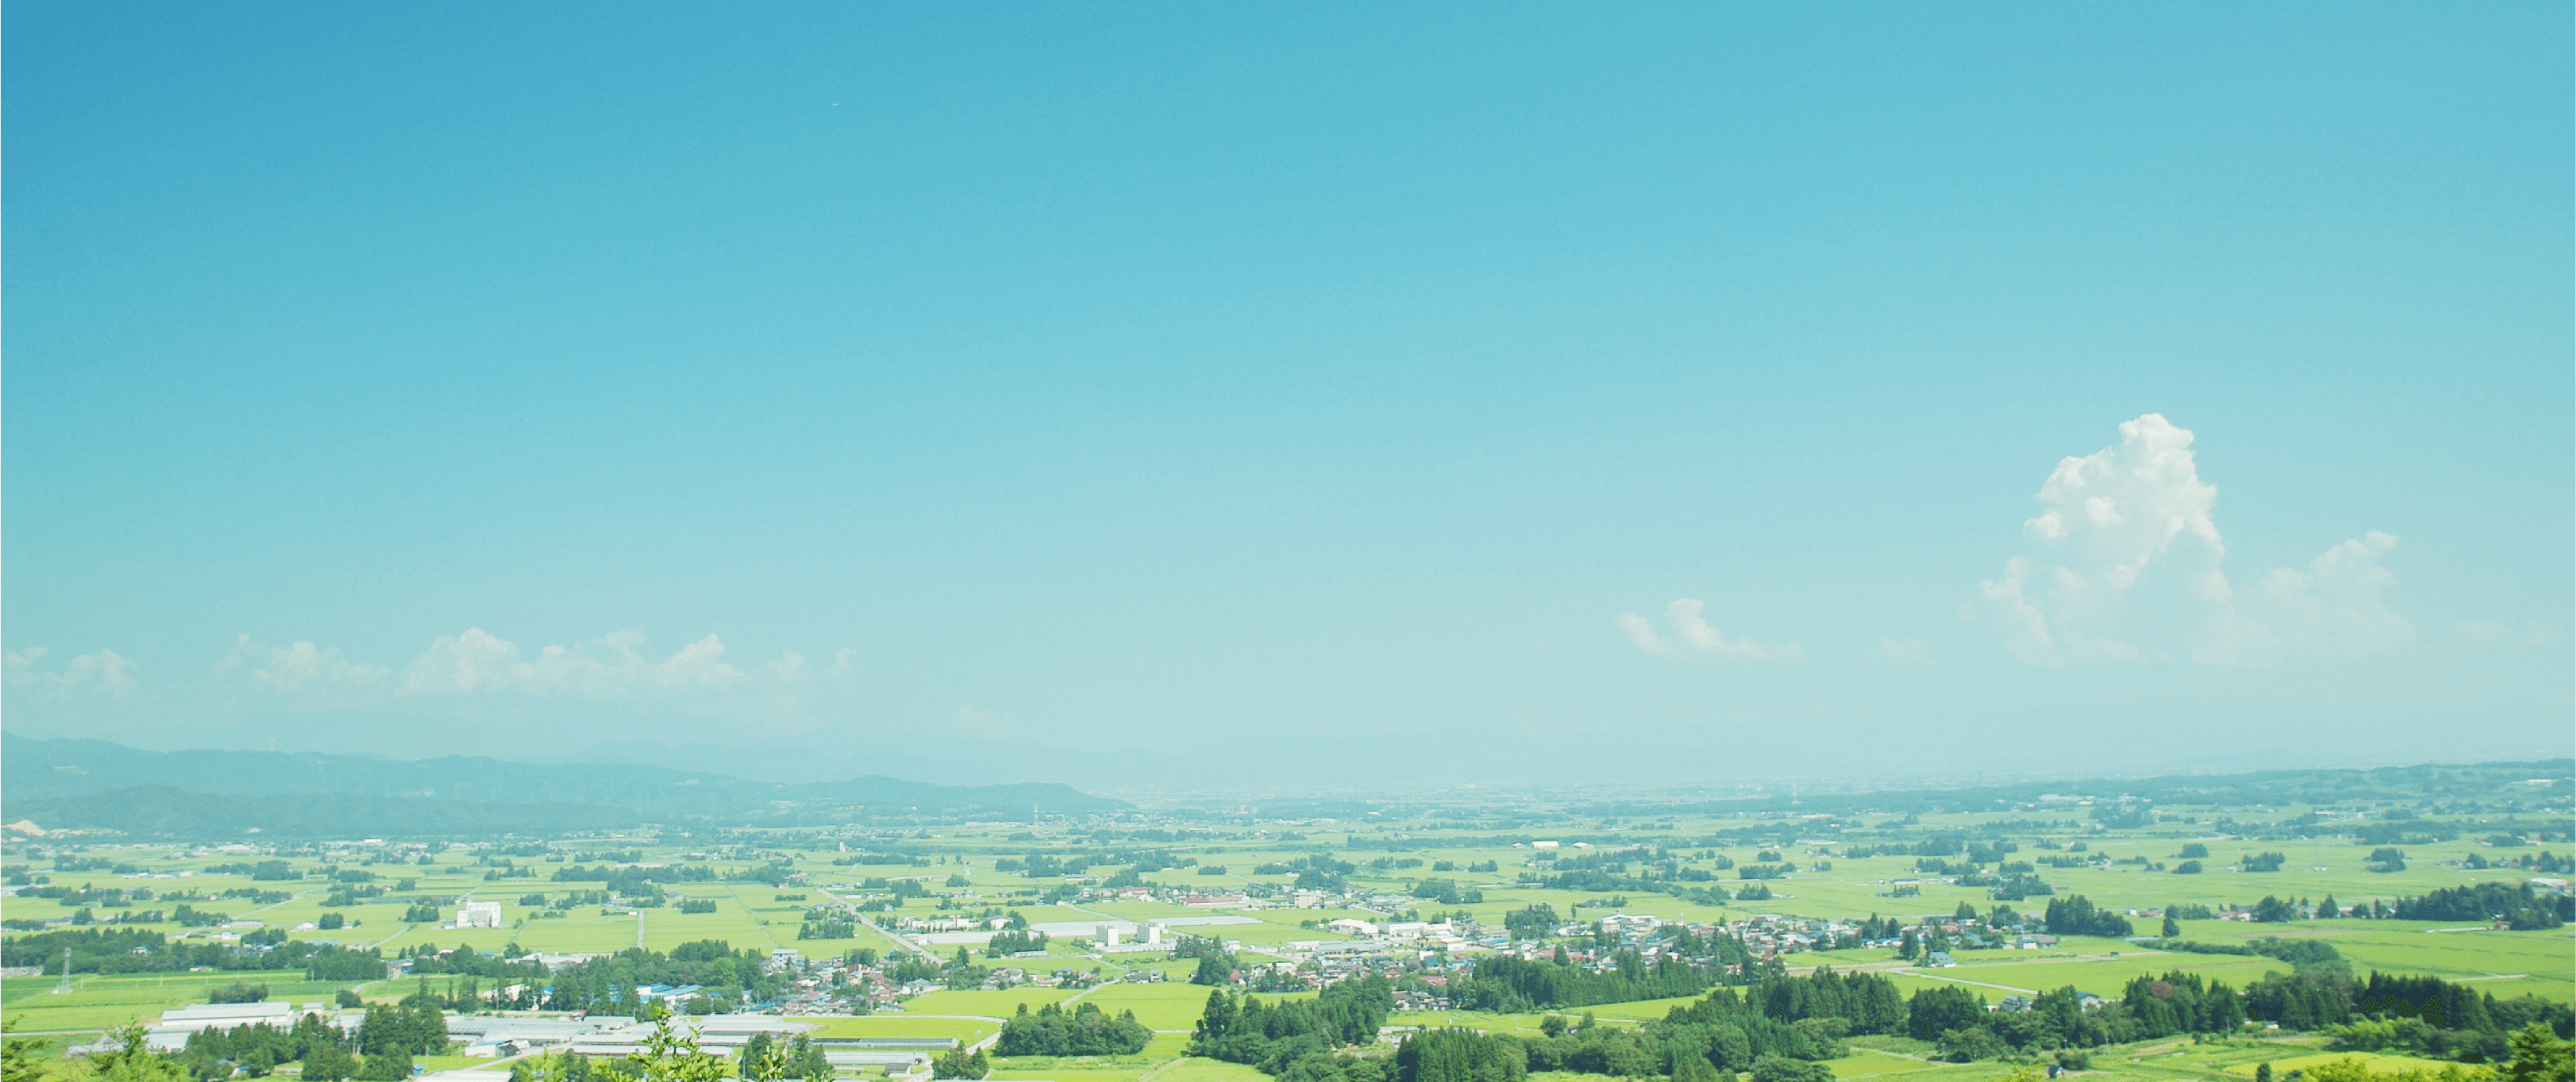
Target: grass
99 1002
1158 1006
2378 1063
985 1004
747 915
1006 1070
1202 1069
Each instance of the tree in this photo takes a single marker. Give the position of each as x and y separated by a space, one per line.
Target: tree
1215 970
387 1066
2172 927
1689 1068
18 1056
2328 909
805 1060
1784 1069
326 1061
756 1054
134 1061
238 992
2539 1056
670 1055
1531 921
2075 915
959 1063
2263 1072
553 1067
1554 1026
765 1059
1461 1055
1965 912
1084 1031
1934 1011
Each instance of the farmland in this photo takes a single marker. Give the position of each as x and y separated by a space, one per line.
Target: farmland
1270 891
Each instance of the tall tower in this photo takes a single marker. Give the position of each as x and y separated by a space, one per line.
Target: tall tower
65 987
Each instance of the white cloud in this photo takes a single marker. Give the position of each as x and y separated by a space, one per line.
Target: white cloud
1642 632
2333 609
1694 631
297 669
698 665
607 667
2127 566
103 673
1905 651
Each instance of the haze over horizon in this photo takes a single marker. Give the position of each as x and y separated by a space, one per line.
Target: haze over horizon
1346 396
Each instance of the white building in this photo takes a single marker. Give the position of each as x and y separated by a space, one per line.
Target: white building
478 915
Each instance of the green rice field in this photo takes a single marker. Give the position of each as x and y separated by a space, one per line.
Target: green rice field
957 864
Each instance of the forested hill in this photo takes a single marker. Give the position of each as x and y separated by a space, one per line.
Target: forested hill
49 770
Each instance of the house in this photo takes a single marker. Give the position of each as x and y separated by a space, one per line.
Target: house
1939 960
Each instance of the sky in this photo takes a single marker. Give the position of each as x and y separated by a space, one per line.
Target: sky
1339 395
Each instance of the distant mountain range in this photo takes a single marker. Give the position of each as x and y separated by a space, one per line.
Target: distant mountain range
95 784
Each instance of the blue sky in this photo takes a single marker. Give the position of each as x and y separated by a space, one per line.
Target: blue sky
1226 389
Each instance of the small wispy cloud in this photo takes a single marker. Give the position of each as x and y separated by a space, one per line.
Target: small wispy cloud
1690 628
296 669
610 666
1642 632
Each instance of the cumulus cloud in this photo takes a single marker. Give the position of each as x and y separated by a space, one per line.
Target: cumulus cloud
1691 629
103 673
607 667
297 669
2127 565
